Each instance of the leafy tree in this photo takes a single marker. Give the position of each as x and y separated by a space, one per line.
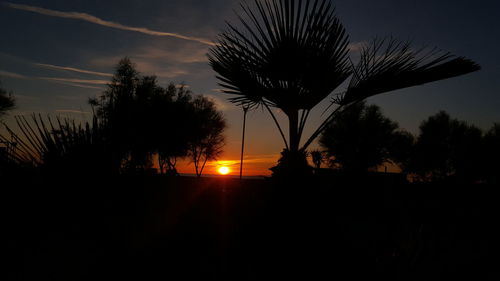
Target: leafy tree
360 138
209 140
118 113
317 158
143 119
7 102
491 153
175 127
448 147
402 149
293 54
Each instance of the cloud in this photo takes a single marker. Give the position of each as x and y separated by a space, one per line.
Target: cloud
81 83
71 98
74 69
78 85
185 54
73 80
98 21
12 75
145 66
26 98
72 111
356 47
221 103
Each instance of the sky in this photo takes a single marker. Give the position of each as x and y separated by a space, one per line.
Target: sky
54 55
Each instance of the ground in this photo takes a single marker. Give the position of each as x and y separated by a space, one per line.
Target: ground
148 228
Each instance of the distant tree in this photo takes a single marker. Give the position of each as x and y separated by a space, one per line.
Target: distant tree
138 117
402 149
292 55
360 138
118 113
209 139
491 153
317 158
143 119
447 148
175 126
7 102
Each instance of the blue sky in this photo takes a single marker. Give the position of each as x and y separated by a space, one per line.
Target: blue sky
56 54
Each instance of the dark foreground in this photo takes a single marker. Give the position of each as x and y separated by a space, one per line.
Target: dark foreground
152 228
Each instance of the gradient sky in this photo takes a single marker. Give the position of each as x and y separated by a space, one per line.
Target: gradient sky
56 54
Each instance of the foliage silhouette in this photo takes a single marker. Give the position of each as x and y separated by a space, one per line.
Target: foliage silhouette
134 119
360 138
491 152
317 158
7 102
123 110
60 146
143 119
209 141
446 148
293 54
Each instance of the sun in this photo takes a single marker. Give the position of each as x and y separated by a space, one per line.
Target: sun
223 170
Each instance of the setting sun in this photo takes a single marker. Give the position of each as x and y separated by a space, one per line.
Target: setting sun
223 170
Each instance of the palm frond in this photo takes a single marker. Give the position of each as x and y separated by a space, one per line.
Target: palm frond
290 54
55 144
388 65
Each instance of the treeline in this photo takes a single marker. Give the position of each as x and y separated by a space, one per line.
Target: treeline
445 149
135 122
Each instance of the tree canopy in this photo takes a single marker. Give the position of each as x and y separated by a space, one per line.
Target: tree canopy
142 119
448 147
361 138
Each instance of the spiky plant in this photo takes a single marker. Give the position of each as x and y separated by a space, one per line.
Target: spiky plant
292 55
58 146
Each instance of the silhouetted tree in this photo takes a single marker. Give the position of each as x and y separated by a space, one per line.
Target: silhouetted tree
118 113
209 127
448 147
491 154
293 54
175 128
360 138
402 149
142 118
317 158
7 102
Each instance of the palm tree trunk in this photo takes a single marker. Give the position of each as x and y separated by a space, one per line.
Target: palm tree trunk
245 110
293 118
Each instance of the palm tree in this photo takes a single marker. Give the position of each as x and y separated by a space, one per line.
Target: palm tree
292 55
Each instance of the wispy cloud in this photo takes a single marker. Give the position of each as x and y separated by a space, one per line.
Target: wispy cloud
72 111
356 47
221 103
96 20
74 80
12 75
78 85
146 66
81 83
74 69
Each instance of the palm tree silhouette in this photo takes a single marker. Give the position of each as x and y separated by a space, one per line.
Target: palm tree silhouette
291 55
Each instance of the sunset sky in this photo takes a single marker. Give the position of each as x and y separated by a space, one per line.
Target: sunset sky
56 54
